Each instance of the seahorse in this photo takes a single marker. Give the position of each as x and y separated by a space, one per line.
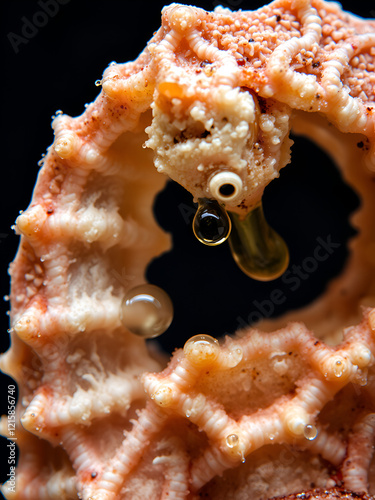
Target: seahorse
283 408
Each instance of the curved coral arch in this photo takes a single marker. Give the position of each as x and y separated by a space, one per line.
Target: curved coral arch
262 414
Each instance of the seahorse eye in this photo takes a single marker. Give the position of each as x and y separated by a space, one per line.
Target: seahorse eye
226 186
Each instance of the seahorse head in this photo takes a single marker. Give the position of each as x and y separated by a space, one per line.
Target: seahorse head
211 133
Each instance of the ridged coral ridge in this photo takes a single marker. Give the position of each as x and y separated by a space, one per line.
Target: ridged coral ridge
265 413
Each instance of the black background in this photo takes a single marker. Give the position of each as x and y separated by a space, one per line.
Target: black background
56 69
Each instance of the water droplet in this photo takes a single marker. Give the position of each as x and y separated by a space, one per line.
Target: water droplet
310 432
6 298
211 224
113 63
234 357
232 440
147 311
257 249
59 112
338 368
188 413
202 349
361 377
98 83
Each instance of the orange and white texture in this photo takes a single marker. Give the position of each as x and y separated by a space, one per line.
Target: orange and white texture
277 410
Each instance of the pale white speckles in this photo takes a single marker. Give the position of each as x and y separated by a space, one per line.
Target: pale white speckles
242 129
266 124
205 147
198 113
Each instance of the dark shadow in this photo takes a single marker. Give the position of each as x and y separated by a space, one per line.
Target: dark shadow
309 205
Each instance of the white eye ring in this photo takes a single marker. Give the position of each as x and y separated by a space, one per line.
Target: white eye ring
226 186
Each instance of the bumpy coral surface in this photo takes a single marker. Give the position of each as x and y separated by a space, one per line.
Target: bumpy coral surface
263 414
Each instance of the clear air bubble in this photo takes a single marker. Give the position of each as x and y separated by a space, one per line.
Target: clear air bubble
310 432
361 377
147 311
202 349
338 368
211 224
98 83
232 440
258 250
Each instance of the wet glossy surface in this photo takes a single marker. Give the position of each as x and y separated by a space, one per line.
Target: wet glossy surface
147 311
258 250
211 224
